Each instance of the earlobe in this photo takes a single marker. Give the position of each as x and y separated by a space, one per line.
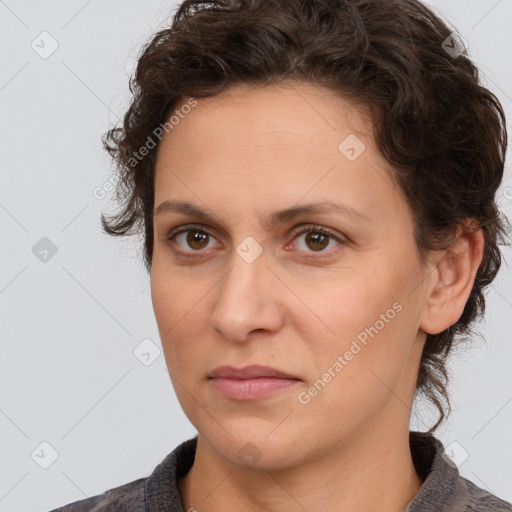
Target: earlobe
452 282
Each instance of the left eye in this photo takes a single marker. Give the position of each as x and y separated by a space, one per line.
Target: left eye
317 239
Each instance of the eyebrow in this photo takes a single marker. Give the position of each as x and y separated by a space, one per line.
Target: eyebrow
276 216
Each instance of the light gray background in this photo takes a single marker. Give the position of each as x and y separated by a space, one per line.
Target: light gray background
69 326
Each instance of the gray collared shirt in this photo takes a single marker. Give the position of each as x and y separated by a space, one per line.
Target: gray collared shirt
443 488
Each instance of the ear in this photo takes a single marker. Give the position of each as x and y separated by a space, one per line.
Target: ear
452 281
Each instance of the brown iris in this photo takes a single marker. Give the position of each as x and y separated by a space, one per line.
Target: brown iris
320 240
197 239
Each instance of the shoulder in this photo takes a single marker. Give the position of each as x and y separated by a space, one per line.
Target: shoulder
126 497
158 491
480 500
444 489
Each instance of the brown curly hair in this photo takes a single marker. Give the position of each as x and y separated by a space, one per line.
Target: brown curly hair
443 132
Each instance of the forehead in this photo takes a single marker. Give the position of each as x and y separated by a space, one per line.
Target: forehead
278 143
279 107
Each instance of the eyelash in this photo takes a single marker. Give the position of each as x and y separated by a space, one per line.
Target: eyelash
310 228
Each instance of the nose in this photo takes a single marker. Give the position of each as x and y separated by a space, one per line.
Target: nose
247 300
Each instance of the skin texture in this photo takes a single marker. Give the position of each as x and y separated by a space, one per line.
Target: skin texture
299 305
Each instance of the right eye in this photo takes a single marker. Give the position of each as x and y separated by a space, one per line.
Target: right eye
192 236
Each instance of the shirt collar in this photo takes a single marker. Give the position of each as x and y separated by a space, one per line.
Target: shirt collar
442 490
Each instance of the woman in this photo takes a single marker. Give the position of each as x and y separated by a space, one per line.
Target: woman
316 185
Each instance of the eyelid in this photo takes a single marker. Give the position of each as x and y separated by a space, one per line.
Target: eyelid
188 227
299 230
317 228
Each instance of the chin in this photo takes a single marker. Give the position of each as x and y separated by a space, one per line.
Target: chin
255 444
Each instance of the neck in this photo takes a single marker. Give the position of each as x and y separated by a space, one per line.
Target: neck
369 472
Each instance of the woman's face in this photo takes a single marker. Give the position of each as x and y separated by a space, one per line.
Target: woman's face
340 312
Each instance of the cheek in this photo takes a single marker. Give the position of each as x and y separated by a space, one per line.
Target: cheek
165 298
353 378
370 328
168 307
182 319
342 309
173 299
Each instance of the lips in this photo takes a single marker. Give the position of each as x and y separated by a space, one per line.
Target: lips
249 372
253 382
